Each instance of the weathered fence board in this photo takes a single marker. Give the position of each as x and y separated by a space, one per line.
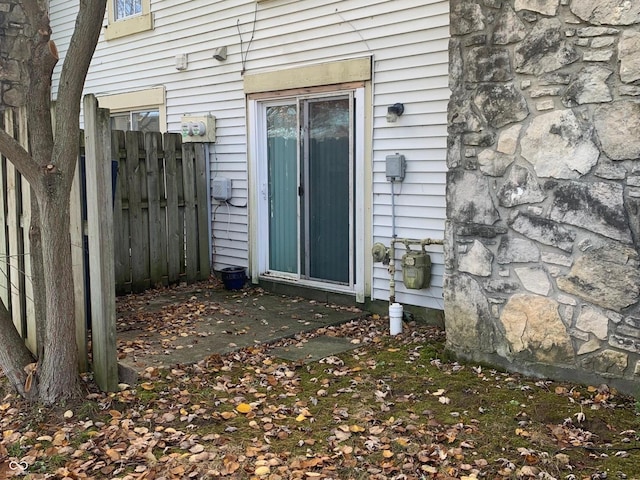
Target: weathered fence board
136 173
28 319
122 264
174 231
79 267
157 225
4 248
190 214
202 163
100 233
15 249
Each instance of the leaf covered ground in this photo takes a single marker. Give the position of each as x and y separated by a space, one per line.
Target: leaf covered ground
392 408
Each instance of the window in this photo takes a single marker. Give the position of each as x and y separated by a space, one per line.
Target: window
142 121
127 17
142 110
127 8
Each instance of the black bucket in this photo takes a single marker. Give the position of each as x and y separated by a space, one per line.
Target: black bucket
233 278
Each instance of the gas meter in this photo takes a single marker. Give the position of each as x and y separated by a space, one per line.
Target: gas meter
416 269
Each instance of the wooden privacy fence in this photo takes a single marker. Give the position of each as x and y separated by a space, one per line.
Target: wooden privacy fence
139 217
16 290
161 210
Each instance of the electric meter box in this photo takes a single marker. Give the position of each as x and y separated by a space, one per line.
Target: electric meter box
416 270
200 128
221 189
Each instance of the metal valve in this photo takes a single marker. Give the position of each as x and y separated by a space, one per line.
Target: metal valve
380 253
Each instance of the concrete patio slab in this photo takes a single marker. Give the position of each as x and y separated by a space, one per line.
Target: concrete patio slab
314 349
162 330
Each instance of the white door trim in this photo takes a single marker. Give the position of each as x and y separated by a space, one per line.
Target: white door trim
360 209
258 196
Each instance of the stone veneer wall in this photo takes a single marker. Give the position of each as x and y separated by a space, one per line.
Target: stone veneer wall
543 189
13 53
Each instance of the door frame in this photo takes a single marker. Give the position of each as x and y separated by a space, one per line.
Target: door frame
258 204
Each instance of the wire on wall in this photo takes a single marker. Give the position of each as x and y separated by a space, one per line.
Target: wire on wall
234 205
355 30
244 54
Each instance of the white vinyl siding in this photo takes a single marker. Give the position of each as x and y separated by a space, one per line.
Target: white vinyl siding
408 42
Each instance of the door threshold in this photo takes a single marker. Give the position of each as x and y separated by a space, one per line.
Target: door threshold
310 292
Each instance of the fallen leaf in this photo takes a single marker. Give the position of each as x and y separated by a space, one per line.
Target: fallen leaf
262 470
197 448
113 454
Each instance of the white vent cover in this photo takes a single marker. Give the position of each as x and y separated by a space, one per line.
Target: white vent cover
222 189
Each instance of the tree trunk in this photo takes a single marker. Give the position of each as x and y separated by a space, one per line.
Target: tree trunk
58 372
49 167
37 275
14 354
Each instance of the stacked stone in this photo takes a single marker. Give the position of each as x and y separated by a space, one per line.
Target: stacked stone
13 53
543 189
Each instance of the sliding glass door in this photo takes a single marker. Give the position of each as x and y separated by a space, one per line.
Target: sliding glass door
310 188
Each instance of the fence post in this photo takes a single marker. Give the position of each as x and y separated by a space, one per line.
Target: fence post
97 135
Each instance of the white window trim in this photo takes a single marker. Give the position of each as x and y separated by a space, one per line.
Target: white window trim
130 25
151 99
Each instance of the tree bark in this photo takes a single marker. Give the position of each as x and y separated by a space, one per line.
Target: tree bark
37 275
14 355
58 373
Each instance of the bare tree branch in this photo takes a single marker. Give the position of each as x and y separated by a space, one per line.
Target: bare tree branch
72 77
44 57
20 158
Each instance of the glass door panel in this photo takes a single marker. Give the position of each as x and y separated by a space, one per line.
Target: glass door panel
309 153
327 209
282 160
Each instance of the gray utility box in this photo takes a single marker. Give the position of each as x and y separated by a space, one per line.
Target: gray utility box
395 167
221 189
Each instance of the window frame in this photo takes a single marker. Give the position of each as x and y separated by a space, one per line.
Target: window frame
131 115
141 22
125 17
140 100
